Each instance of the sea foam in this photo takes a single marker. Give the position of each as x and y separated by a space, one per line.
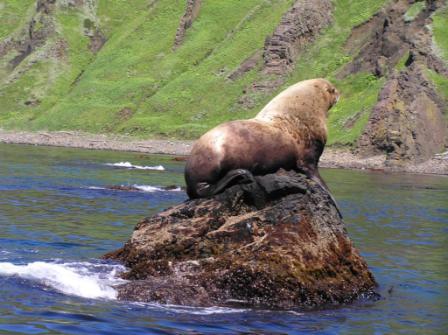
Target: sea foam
129 165
82 279
143 188
149 188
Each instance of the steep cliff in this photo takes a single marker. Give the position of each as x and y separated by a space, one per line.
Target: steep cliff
408 122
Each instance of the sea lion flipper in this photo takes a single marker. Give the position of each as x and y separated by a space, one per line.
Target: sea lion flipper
231 178
204 190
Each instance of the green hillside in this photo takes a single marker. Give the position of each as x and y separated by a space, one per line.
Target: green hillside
137 84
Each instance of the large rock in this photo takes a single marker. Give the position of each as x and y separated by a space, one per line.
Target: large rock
276 242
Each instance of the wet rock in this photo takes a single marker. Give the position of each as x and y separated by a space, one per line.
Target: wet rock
275 242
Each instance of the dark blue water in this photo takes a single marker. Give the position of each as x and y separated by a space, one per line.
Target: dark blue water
57 218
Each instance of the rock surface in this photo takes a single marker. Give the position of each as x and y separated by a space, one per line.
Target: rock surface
298 27
275 242
191 12
408 122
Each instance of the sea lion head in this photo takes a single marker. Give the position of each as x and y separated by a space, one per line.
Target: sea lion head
304 100
330 92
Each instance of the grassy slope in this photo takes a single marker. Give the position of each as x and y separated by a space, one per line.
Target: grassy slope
440 33
182 93
12 15
41 75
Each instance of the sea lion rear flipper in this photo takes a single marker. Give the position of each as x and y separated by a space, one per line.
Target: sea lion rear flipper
231 178
204 190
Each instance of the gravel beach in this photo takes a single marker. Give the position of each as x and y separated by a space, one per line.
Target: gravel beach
331 158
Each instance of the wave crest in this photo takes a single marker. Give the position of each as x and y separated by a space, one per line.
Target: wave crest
129 165
82 279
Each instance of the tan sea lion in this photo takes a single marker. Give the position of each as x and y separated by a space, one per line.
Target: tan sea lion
290 132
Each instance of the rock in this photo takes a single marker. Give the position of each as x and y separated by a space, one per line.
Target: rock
275 242
97 41
191 13
383 40
299 26
408 122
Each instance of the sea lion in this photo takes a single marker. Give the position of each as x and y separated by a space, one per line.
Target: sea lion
290 132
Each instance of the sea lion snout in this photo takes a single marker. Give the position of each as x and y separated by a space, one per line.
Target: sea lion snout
333 93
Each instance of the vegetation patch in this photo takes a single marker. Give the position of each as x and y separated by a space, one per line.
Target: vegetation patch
441 84
414 10
440 31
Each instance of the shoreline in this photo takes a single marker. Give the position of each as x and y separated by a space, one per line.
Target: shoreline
332 157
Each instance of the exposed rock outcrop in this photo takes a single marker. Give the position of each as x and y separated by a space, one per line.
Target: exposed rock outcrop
41 40
34 35
96 36
387 37
276 242
408 122
298 27
191 12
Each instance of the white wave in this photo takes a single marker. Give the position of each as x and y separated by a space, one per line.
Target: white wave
129 165
149 188
204 310
191 309
85 280
144 188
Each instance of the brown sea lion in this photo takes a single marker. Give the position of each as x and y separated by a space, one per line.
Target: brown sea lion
290 133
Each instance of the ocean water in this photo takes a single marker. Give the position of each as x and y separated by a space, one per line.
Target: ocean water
57 217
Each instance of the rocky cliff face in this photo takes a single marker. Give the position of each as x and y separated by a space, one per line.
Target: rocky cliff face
276 242
298 27
408 122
